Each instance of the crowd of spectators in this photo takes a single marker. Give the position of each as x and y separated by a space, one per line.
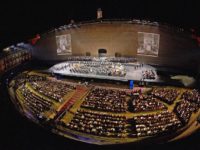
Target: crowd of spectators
107 59
168 95
106 100
99 113
184 110
79 58
190 103
192 96
156 124
34 103
24 77
122 59
100 124
12 57
53 89
143 102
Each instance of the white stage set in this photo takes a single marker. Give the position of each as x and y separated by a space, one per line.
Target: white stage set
107 70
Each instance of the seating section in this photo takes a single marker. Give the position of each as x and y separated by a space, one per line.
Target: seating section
108 59
105 112
184 110
52 89
23 78
98 124
106 100
156 124
79 58
34 103
191 96
12 57
146 103
122 59
165 94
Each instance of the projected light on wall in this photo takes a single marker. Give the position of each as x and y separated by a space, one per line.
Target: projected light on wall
148 44
64 44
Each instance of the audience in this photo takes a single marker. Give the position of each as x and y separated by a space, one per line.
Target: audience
146 103
156 124
184 110
103 111
99 124
52 89
167 95
34 103
106 100
192 96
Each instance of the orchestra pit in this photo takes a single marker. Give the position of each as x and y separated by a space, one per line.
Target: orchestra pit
106 82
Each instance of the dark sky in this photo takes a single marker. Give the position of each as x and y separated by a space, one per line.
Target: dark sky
22 19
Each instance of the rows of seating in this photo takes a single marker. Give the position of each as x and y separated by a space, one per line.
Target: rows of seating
106 59
12 57
52 89
77 95
79 58
156 124
100 124
35 104
192 96
184 110
168 95
24 77
122 59
106 100
142 103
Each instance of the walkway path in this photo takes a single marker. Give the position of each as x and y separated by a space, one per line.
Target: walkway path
78 94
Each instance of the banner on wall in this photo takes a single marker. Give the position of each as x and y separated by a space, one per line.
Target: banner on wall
148 44
64 44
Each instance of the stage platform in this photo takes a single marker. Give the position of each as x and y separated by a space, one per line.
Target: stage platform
133 72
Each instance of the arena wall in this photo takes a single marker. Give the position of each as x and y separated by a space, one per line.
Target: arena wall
118 37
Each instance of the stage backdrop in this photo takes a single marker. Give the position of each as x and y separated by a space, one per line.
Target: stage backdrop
148 44
64 44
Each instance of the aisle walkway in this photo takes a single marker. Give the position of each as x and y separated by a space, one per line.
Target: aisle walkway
78 94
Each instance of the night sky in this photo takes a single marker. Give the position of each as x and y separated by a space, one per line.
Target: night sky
21 20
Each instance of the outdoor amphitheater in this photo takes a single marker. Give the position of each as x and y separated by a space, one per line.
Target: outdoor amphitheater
108 82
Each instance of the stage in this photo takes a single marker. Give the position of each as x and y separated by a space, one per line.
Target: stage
134 71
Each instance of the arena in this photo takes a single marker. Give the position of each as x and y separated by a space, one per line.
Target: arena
107 82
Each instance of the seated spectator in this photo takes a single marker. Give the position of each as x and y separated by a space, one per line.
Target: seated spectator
165 94
106 100
146 103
